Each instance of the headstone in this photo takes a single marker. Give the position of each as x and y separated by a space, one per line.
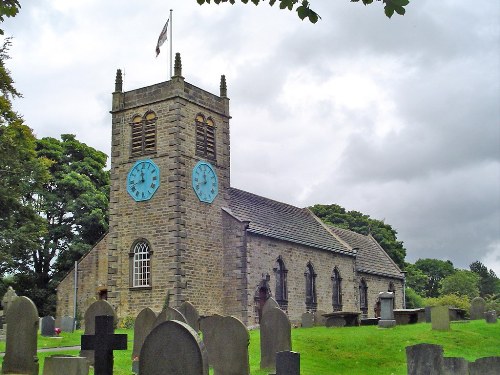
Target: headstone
98 308
173 348
428 314
102 343
9 297
287 363
424 359
67 324
191 314
142 327
490 316
307 320
440 318
275 336
319 319
65 365
270 304
455 366
169 314
386 310
47 326
485 366
477 308
226 340
21 344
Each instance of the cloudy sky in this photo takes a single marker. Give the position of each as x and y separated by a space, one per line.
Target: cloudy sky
398 119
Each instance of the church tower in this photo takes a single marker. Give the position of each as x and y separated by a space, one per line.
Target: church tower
170 173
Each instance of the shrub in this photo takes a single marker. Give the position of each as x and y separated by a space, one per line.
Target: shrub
413 299
461 302
127 322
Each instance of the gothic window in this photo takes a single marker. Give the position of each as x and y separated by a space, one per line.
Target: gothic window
281 292
141 264
205 137
143 140
363 297
336 290
311 302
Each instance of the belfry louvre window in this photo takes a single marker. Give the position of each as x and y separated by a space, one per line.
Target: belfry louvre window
141 268
205 137
143 134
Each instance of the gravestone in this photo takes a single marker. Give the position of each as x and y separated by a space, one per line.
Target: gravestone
440 318
9 297
142 327
21 344
428 314
98 308
67 324
47 326
226 340
490 316
455 366
65 365
307 320
287 363
477 308
173 348
424 359
275 336
191 314
169 314
485 366
102 344
319 319
386 310
270 304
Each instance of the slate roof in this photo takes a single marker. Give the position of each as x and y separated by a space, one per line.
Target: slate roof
284 222
371 257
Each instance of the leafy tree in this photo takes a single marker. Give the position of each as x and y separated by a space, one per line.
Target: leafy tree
436 270
8 8
489 283
415 279
461 283
304 11
383 233
413 299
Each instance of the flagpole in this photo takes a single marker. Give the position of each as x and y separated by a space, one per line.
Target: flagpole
170 43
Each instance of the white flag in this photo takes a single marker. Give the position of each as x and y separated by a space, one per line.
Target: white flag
162 38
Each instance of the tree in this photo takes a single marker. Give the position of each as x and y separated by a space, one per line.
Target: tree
8 8
415 279
304 11
489 283
360 223
436 270
461 283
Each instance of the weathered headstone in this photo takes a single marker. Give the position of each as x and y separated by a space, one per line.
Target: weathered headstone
319 319
142 327
173 348
102 343
67 324
386 310
287 363
455 366
440 318
47 326
191 314
169 314
477 308
9 297
21 344
275 336
490 316
226 340
424 359
98 308
65 365
270 304
307 320
485 366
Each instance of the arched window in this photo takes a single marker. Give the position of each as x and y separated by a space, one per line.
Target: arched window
143 140
141 264
392 289
281 292
363 297
205 137
336 290
310 288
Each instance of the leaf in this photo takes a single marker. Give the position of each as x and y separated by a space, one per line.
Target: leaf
271 2
389 10
302 12
313 16
400 10
400 3
201 2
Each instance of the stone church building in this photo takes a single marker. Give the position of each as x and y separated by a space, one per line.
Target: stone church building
177 227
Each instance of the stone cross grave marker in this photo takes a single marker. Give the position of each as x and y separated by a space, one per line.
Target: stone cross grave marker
142 327
440 318
477 308
287 363
386 310
21 344
191 314
173 348
275 336
47 326
103 342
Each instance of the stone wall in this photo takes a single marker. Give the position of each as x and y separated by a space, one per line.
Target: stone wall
377 284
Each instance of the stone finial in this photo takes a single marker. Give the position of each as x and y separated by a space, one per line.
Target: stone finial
223 86
177 65
118 81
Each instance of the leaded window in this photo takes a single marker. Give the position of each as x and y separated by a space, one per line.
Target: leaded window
363 297
205 137
143 139
336 290
281 292
311 302
141 265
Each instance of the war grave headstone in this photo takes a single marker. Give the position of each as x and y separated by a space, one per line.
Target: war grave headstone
424 359
490 316
477 308
21 343
275 336
319 319
440 318
191 314
102 343
386 310
47 326
98 308
173 348
167 314
307 320
287 363
65 365
226 339
142 327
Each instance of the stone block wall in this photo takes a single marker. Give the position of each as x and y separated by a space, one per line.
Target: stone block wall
377 284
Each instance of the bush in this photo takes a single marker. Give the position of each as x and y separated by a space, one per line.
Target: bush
127 322
493 303
452 300
413 299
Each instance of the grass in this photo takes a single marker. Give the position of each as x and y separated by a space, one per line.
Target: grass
350 350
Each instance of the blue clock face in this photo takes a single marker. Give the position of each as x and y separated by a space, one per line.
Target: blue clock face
143 180
205 183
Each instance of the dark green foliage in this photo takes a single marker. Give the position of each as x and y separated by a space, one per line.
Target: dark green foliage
413 299
383 233
8 8
489 283
461 283
436 270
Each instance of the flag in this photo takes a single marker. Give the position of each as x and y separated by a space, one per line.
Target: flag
162 38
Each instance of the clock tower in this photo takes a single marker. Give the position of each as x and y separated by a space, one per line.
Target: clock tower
169 180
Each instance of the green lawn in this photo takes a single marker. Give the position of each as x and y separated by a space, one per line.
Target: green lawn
351 350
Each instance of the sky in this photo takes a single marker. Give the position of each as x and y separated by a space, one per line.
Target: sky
396 118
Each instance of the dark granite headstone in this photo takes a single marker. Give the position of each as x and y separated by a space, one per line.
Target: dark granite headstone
275 336
287 363
173 348
490 316
485 366
191 314
455 366
477 308
47 326
65 365
428 314
424 359
142 327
